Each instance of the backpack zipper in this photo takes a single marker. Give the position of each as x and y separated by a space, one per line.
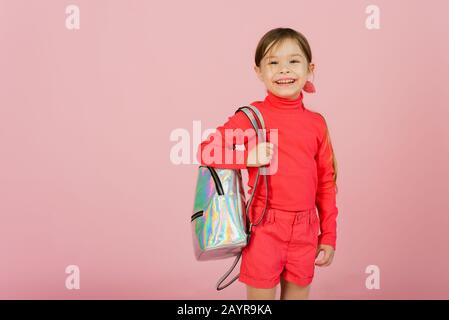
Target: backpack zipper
196 215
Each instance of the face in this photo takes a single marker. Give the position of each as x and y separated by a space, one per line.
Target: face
284 61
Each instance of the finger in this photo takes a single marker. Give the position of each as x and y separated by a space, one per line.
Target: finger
319 262
329 261
326 263
324 260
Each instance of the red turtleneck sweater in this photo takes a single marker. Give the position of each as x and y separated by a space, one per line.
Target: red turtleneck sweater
304 176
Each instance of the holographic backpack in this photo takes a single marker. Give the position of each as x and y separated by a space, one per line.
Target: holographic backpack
220 222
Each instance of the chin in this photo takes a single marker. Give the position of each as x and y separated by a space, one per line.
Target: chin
287 92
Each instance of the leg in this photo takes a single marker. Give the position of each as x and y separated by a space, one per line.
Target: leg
292 291
262 260
260 294
300 267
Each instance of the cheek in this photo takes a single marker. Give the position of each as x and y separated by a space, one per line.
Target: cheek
302 82
267 76
302 75
268 73
301 71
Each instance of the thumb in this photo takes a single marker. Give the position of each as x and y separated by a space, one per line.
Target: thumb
318 250
324 259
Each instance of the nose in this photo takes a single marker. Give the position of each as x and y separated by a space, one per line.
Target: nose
284 68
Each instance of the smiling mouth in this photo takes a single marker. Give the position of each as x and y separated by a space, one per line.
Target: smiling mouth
285 82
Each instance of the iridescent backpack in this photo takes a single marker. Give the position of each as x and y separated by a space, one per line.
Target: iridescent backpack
220 222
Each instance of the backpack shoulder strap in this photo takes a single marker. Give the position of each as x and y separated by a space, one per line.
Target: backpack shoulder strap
262 135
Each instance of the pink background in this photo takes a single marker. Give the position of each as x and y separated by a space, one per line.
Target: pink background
85 123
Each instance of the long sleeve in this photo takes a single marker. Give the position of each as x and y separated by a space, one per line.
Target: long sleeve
326 190
219 151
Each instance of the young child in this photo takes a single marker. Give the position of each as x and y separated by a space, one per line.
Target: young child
284 246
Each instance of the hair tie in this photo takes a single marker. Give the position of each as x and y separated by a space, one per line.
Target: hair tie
309 87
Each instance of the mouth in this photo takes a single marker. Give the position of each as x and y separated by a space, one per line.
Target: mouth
285 82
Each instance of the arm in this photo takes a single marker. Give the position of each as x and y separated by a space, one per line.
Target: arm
326 192
218 150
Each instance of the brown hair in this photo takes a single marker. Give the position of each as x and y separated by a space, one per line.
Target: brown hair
278 35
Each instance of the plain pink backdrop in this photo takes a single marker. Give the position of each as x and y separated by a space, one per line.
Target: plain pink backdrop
86 115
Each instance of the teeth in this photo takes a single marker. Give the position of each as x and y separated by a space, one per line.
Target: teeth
285 81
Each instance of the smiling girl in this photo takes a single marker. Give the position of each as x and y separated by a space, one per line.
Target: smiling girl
284 246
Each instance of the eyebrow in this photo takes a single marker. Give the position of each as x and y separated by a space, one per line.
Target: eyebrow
291 55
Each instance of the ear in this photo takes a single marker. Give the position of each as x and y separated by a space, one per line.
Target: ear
258 72
311 67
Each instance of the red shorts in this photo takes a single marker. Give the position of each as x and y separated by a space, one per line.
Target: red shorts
283 244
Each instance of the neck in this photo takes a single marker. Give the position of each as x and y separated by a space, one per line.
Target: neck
284 103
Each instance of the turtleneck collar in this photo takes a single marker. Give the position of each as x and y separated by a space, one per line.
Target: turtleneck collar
284 103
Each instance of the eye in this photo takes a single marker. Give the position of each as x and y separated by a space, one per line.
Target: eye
296 61
272 62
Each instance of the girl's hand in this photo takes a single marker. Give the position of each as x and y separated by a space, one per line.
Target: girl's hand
260 155
328 255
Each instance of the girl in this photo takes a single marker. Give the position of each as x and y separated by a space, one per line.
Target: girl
284 246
